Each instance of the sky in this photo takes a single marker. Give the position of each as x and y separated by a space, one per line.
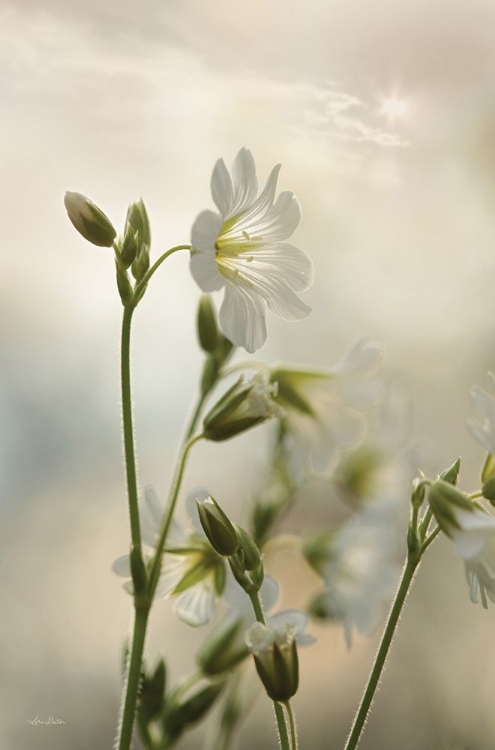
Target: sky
383 117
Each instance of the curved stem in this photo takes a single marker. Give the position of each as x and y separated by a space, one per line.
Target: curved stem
156 265
279 711
132 678
292 724
130 460
195 416
381 655
169 512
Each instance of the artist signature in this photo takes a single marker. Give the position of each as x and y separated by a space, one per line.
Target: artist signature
51 720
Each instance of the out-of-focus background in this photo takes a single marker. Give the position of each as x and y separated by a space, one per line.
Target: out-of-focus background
383 116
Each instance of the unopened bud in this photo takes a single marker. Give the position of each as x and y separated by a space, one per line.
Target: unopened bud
488 470
223 649
488 490
244 406
445 500
181 714
137 218
124 285
89 220
451 475
152 697
276 659
141 265
217 527
130 247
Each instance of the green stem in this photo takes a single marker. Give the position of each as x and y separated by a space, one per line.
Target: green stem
169 512
381 655
156 265
279 711
292 724
195 416
133 678
431 538
130 460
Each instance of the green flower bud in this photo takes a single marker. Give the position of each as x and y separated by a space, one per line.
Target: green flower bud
451 475
489 490
276 659
244 406
208 333
152 697
89 220
129 247
137 218
223 649
488 470
445 500
418 492
217 527
141 265
180 714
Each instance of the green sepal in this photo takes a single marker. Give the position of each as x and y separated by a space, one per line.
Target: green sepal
451 475
488 470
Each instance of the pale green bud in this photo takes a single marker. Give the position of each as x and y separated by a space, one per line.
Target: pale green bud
208 333
444 500
247 563
488 470
137 217
418 492
223 649
245 405
488 490
89 220
451 475
180 714
129 247
276 659
141 265
217 527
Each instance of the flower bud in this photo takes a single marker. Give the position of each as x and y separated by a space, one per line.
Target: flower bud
244 406
217 527
137 218
89 220
418 493
451 475
488 470
180 714
141 265
488 490
129 247
276 659
445 501
222 650
152 695
207 325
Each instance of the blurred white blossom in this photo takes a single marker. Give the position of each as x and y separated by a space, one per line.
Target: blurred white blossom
243 249
482 428
192 572
323 407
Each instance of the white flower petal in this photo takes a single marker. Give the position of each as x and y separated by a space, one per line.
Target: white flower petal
150 515
245 183
363 360
195 605
483 403
221 188
122 566
482 434
293 263
173 571
243 317
269 592
203 265
296 618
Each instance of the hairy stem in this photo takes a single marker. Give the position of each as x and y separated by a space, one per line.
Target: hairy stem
292 724
388 634
133 676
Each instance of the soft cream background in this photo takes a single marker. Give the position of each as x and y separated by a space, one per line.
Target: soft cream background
118 100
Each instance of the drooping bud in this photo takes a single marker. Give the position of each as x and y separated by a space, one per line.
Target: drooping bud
276 659
208 333
89 220
223 649
244 406
218 528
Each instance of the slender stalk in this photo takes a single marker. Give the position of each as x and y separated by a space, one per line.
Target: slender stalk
388 634
292 724
130 460
156 265
195 416
169 512
279 711
132 678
